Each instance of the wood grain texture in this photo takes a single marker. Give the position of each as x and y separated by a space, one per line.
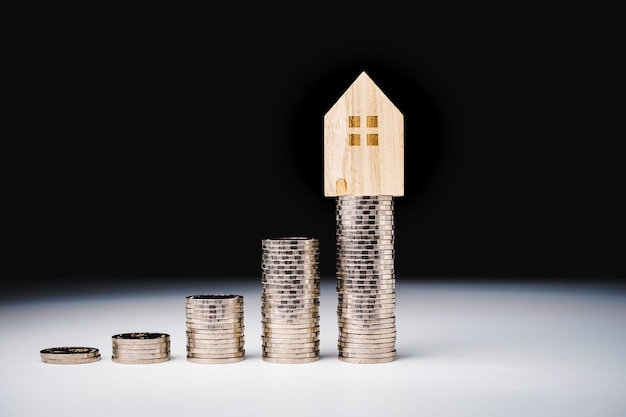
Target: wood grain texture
363 143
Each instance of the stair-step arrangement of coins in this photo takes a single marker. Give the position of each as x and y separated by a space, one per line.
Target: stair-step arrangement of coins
69 355
215 328
140 348
366 279
290 300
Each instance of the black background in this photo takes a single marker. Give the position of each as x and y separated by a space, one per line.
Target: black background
164 142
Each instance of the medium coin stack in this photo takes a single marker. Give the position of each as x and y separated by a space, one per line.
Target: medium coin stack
215 328
69 355
141 348
290 300
366 279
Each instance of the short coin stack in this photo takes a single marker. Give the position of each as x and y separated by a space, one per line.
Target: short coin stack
141 348
290 300
366 279
70 355
215 328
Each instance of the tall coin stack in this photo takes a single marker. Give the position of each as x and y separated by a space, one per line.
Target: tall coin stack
366 279
290 300
215 328
140 348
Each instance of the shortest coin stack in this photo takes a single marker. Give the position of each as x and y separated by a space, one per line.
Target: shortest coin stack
141 348
215 328
70 355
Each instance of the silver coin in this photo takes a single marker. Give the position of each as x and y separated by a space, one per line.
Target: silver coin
290 347
270 298
357 283
364 277
352 354
360 314
290 288
288 318
376 296
213 308
386 219
212 316
282 308
289 322
370 335
294 280
143 348
290 344
294 303
378 291
291 361
364 245
360 303
365 260
217 299
269 268
348 349
347 233
381 266
378 358
214 321
71 361
311 246
364 321
289 341
292 295
285 333
134 356
363 205
367 360
215 361
371 258
139 361
289 350
122 351
140 337
350 309
270 257
214 334
302 315
290 355
373 335
213 327
223 352
197 318
206 343
383 332
218 356
363 339
369 345
69 352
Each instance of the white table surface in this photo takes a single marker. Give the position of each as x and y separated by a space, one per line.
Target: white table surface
463 350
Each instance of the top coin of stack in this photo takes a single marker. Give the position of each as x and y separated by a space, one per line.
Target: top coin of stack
366 279
290 300
141 348
69 355
215 328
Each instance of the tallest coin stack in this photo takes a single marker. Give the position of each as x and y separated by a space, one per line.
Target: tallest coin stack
366 279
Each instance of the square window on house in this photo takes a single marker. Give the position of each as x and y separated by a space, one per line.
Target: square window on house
355 139
354 121
372 139
372 121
